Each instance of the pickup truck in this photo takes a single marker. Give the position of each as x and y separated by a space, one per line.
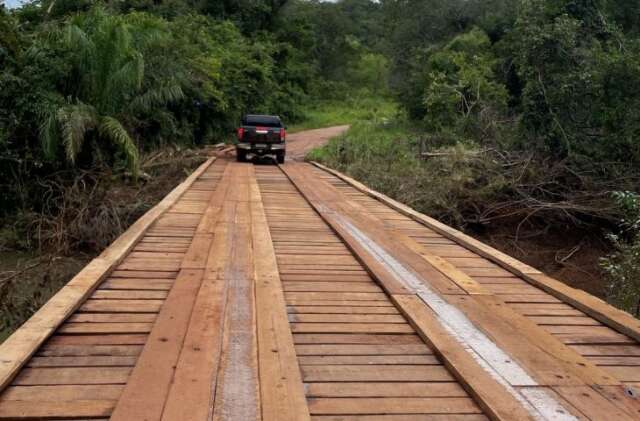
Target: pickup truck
260 135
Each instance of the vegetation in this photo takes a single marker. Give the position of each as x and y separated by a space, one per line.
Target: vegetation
622 266
484 113
327 113
519 114
92 92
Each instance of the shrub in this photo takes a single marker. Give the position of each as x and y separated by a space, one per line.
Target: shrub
623 266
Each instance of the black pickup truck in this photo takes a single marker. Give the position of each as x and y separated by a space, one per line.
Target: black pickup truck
261 135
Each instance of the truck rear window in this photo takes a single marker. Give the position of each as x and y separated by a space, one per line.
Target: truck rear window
261 120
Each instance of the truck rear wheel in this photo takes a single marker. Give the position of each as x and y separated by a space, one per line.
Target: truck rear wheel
280 157
241 155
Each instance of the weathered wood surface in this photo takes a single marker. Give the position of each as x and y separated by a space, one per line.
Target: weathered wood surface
295 293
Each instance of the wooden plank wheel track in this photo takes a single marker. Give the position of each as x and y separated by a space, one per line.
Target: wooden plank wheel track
295 293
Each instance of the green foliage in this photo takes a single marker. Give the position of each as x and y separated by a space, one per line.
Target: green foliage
385 156
106 54
347 111
623 266
579 81
461 93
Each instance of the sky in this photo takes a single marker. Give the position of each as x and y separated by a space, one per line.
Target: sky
12 3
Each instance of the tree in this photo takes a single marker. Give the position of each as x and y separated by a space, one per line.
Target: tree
110 86
580 77
461 89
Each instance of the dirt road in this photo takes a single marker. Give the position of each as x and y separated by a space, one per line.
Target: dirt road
299 144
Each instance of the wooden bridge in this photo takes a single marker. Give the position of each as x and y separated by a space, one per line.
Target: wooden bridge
294 293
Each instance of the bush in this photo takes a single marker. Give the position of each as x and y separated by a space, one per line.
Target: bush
580 81
452 185
623 266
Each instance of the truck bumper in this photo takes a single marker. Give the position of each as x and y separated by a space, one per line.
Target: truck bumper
262 149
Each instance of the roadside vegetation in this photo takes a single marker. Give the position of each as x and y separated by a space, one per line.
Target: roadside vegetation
516 121
518 124
104 105
331 112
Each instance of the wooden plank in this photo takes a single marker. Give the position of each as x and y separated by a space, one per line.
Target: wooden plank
544 357
282 394
619 396
95 328
51 350
375 373
331 296
90 361
148 386
610 350
112 318
313 301
196 256
354 350
311 193
237 393
369 360
61 393
72 375
137 284
393 406
109 294
452 234
385 390
594 307
90 340
121 306
355 339
601 311
17 349
346 318
371 328
307 286
149 274
593 404
12 410
402 417
190 396
497 402
337 310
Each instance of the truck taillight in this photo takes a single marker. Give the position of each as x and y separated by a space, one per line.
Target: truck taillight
283 134
240 133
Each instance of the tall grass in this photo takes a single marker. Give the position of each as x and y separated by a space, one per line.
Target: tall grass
327 113
386 156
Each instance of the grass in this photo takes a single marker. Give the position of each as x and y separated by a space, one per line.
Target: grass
336 113
385 156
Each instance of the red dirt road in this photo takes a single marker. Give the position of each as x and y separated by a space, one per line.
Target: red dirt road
299 144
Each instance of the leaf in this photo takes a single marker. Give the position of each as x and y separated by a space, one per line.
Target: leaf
157 97
75 121
49 134
110 128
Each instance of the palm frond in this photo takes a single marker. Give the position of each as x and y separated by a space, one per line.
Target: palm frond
157 98
78 40
112 129
126 80
49 133
75 121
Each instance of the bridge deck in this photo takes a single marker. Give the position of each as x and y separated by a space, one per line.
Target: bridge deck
295 293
